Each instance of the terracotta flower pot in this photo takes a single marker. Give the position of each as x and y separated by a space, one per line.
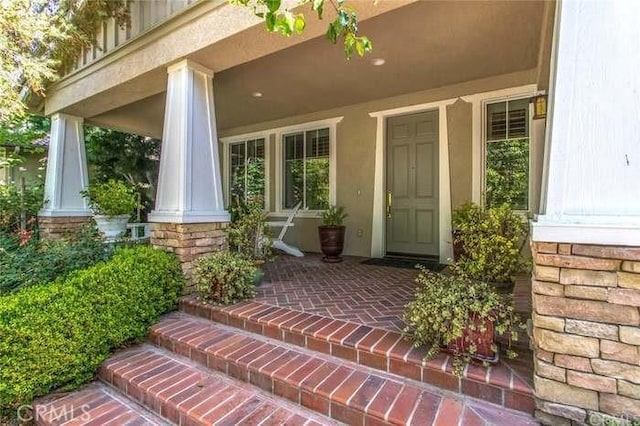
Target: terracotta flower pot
482 340
331 242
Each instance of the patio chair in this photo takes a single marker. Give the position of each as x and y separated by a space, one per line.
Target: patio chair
278 243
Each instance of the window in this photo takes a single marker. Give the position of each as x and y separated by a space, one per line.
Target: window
507 151
246 169
306 169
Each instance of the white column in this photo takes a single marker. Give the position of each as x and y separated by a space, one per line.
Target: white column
66 168
592 168
190 182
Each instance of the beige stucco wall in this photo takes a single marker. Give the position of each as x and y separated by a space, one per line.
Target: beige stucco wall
355 156
32 169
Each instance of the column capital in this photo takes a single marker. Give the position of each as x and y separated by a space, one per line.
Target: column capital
191 65
65 116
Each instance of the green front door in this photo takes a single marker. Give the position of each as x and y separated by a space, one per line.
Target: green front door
412 184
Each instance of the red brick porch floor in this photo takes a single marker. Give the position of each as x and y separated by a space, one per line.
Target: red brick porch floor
349 291
371 295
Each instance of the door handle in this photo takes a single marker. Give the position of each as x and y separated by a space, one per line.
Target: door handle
389 200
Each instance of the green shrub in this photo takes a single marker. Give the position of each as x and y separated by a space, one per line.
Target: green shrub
225 277
248 231
16 207
43 261
55 336
491 241
111 198
447 305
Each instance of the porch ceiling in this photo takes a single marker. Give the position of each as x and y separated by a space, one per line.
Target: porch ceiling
425 45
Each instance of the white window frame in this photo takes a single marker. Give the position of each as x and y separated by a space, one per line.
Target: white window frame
483 147
331 124
226 168
478 102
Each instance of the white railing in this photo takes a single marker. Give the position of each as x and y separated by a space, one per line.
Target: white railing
144 15
138 231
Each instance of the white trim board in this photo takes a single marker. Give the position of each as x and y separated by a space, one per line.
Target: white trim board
478 102
378 243
610 234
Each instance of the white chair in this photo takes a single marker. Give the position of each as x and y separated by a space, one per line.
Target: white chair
278 243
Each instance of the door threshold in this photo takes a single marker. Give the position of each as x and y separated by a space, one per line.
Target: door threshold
426 257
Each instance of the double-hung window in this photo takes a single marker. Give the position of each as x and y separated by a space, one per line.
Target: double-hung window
246 169
306 169
507 153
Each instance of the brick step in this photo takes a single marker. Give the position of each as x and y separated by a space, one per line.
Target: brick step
93 404
376 348
343 390
185 393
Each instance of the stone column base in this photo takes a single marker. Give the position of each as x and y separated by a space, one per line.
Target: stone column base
586 327
189 241
57 227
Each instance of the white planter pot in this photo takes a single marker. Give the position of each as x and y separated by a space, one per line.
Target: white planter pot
112 227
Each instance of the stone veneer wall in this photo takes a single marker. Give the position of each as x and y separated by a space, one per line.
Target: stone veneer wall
56 227
586 318
189 241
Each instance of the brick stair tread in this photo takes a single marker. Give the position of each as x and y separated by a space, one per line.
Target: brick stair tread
381 349
186 393
93 404
343 390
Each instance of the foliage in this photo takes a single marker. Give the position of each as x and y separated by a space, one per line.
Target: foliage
38 262
23 135
309 181
55 336
111 198
508 173
247 186
491 241
334 216
18 207
40 37
248 231
447 305
343 27
225 277
124 156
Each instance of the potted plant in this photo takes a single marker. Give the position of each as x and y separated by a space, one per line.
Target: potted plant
112 203
488 243
462 316
225 277
331 234
248 233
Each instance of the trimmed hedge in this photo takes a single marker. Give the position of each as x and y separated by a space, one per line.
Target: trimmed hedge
55 336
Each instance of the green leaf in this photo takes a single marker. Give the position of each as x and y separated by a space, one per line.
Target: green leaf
332 34
299 24
272 5
270 20
360 47
318 6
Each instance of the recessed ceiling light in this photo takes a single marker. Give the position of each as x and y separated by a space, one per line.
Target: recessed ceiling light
376 62
257 94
